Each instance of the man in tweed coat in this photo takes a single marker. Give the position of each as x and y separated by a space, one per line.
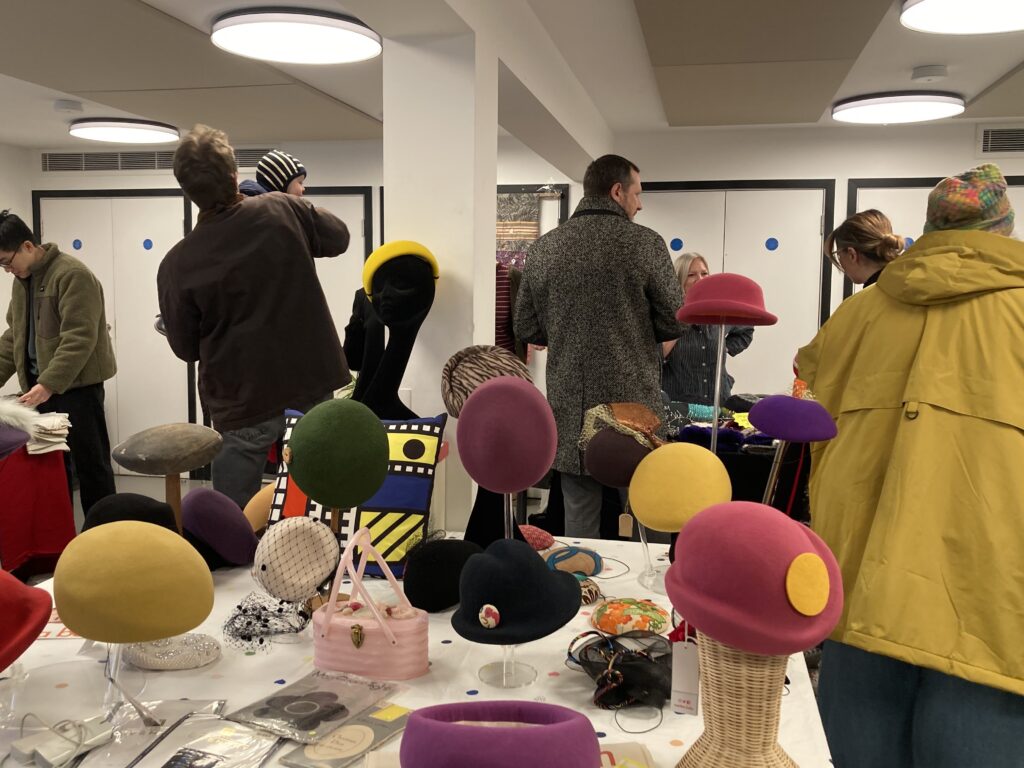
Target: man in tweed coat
599 291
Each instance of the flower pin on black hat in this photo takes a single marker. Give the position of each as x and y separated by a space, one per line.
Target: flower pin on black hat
509 596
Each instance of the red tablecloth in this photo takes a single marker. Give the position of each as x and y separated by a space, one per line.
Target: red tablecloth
36 517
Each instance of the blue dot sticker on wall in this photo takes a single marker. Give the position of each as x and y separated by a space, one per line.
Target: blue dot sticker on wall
76 244
771 244
676 244
147 244
908 241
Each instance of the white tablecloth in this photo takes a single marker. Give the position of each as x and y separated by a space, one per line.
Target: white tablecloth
242 678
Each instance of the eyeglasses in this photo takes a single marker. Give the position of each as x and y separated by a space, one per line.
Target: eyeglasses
6 263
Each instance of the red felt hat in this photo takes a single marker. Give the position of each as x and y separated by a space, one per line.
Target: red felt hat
748 576
725 299
25 611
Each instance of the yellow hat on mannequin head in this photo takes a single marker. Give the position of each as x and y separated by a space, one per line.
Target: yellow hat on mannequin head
131 582
674 482
393 250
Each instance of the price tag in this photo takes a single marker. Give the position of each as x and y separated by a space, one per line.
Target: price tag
685 677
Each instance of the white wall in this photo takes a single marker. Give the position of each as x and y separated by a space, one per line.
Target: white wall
15 173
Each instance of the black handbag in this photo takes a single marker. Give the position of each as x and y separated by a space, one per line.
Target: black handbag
631 669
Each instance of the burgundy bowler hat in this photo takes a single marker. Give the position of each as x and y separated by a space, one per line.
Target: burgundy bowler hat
751 577
612 457
479 733
217 521
790 418
506 435
725 299
11 439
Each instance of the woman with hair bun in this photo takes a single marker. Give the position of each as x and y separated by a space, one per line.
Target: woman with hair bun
862 245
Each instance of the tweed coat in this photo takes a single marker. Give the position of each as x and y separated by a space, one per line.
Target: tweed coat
600 293
919 495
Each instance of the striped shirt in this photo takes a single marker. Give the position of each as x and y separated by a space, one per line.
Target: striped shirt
688 373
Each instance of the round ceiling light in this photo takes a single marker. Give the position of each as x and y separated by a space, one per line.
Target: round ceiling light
295 36
123 131
902 107
956 17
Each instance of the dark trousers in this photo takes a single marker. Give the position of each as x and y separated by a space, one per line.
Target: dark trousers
88 441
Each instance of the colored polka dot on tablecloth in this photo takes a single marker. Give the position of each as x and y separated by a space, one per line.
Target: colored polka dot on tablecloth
554 674
446 642
601 734
472 692
61 685
250 653
216 675
676 742
282 681
584 613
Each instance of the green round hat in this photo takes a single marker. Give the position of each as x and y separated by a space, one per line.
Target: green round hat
338 454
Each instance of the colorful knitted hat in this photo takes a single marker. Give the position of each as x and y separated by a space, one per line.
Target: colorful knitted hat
976 199
276 169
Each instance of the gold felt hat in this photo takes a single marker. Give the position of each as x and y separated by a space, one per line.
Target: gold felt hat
393 250
674 482
257 511
131 582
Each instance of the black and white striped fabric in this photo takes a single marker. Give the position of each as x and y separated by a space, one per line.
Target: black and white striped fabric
276 169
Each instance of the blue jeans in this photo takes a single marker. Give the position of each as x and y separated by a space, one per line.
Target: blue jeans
879 712
238 468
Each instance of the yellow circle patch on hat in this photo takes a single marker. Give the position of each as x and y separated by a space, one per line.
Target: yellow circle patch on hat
674 482
131 582
257 511
393 250
807 584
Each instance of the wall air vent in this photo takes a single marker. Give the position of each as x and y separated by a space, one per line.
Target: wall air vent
163 160
1000 141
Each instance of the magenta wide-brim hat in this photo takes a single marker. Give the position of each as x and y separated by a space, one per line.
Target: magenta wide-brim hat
748 576
25 611
447 735
725 299
791 418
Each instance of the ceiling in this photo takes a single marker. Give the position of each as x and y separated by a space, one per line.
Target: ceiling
647 65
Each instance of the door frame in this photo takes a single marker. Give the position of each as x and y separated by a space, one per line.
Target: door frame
367 194
828 186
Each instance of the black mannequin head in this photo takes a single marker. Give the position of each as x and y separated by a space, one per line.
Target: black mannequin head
403 291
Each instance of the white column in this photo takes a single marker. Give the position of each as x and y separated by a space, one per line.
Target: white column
440 179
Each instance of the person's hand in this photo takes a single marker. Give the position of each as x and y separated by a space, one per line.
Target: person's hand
35 396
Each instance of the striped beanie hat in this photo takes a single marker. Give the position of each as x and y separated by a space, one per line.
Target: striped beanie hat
276 169
976 199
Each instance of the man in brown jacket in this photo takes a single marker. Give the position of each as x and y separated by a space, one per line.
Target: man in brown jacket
57 342
600 292
240 294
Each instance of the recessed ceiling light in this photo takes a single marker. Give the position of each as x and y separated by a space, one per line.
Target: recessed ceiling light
900 107
956 17
295 36
123 131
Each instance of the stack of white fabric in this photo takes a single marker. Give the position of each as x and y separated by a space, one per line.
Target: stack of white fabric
49 433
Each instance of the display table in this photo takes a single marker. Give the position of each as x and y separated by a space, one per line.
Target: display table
36 517
242 678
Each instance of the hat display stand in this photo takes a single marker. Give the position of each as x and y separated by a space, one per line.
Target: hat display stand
652 577
741 697
788 420
507 440
117 700
724 299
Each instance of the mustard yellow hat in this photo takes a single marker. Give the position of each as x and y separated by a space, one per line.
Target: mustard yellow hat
131 582
393 250
257 511
674 482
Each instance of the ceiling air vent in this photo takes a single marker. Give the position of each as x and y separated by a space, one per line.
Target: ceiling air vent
1000 141
107 161
248 158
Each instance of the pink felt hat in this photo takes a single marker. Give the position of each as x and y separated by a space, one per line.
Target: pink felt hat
791 418
725 299
26 611
748 576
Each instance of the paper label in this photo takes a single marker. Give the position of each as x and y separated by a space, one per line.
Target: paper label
626 525
685 677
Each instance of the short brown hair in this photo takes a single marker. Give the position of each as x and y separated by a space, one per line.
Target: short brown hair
204 165
869 233
604 173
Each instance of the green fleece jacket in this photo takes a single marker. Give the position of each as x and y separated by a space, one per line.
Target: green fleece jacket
73 347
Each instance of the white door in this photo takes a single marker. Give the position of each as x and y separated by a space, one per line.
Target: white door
151 382
688 222
341 276
82 227
774 237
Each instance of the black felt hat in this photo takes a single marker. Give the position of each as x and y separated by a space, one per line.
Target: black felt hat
432 571
130 506
508 596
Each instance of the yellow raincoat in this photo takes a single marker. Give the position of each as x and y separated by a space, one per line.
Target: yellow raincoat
921 494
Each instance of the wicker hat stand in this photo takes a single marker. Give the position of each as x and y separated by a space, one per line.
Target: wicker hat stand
742 695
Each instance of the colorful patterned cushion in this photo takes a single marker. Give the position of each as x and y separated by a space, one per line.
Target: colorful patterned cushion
625 614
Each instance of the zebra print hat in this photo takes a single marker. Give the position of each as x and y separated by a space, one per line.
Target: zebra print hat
470 367
276 169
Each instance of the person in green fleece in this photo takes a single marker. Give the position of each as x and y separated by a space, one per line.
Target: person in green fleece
58 344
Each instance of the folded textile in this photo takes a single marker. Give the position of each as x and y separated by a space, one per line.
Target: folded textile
49 433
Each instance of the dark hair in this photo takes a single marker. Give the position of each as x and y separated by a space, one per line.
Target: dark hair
14 232
204 165
604 173
869 233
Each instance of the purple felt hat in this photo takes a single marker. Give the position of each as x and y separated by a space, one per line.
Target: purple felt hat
751 577
214 519
506 435
612 457
11 439
790 418
457 734
725 299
